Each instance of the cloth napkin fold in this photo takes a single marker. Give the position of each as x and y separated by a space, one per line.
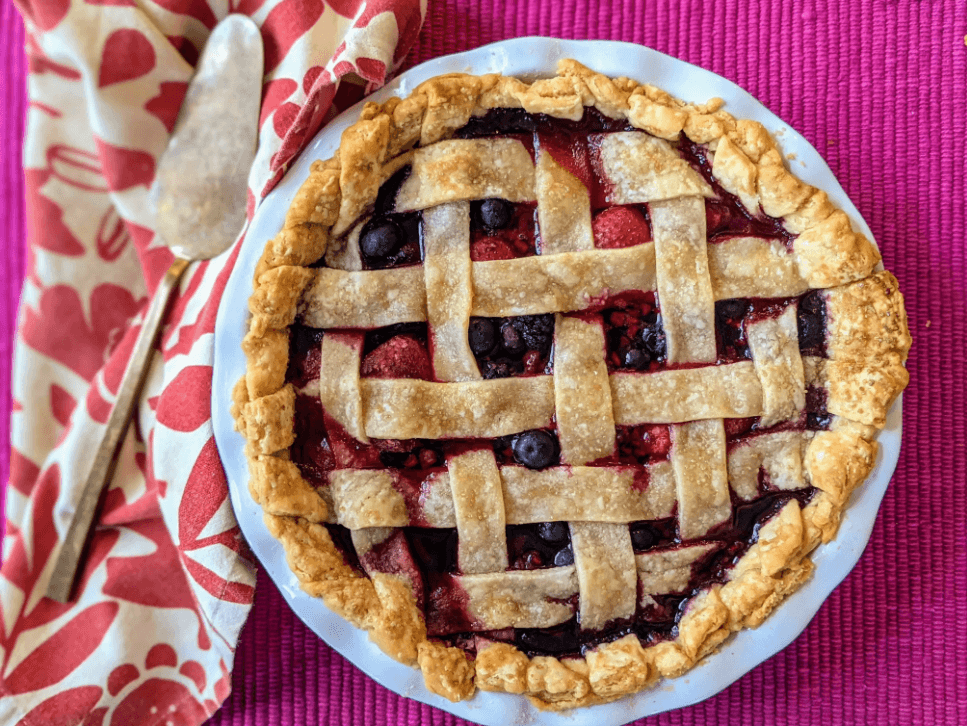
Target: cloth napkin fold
168 583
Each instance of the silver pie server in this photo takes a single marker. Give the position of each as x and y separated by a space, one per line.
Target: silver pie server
200 198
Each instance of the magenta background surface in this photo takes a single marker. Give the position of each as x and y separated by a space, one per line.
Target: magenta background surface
880 88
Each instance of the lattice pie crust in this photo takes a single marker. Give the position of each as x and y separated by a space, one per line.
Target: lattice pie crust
861 374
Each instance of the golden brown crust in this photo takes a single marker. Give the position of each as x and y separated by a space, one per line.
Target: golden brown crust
274 302
398 627
831 253
322 572
620 667
268 422
447 671
279 488
266 356
868 342
501 667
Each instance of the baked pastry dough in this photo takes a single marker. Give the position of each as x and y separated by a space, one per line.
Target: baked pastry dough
553 386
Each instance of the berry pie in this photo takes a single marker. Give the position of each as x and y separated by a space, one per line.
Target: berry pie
551 387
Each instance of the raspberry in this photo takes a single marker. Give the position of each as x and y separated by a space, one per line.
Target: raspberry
491 248
657 440
399 357
620 227
737 426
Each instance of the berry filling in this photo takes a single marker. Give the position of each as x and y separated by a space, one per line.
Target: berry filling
305 354
397 351
730 330
515 346
512 121
818 421
811 317
311 451
410 454
633 333
434 549
536 546
655 534
392 240
818 417
500 230
642 444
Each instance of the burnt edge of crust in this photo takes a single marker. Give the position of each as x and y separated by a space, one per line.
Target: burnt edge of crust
865 311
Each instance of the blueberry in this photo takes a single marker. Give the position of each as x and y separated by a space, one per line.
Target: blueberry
812 330
732 309
538 330
653 341
380 239
818 421
564 557
495 213
512 339
637 359
552 531
535 449
813 302
641 539
482 336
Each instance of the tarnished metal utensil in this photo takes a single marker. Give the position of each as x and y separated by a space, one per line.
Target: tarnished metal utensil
200 198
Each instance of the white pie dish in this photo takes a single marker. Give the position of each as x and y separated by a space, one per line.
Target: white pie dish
531 57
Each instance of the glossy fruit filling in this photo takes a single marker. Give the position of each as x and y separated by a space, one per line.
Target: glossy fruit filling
500 230
634 338
514 346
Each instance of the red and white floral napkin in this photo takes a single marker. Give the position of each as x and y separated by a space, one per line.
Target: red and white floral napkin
168 584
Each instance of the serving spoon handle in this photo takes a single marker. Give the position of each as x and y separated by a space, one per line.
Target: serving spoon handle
105 459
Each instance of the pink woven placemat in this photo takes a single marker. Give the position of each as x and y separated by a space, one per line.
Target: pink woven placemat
880 88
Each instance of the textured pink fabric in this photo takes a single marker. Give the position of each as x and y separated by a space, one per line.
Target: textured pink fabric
879 89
